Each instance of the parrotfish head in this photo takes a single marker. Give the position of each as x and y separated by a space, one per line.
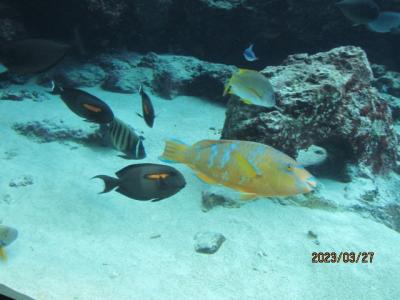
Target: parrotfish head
305 181
292 179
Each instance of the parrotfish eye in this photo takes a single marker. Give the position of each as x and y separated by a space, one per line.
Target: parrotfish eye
290 167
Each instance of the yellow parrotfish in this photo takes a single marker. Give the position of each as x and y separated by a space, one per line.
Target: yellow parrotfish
252 168
252 87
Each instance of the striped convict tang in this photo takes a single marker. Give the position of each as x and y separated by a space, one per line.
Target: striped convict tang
125 139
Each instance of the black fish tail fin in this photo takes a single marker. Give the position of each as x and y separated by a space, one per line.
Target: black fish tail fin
55 89
109 183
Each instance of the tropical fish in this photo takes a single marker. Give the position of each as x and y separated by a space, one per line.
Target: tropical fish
145 182
147 107
124 139
85 105
249 54
252 168
252 87
387 21
359 11
7 236
32 55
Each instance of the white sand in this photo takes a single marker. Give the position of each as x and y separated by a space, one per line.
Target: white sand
76 244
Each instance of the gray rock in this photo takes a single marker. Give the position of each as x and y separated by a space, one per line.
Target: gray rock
168 75
19 94
210 199
208 242
128 81
86 75
21 181
314 155
46 131
325 99
388 84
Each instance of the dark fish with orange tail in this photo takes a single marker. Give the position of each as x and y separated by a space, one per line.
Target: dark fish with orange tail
31 56
85 105
145 182
147 107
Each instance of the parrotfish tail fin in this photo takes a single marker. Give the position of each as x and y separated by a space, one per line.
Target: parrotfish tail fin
55 89
3 255
110 183
175 151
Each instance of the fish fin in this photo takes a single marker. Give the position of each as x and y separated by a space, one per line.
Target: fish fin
174 151
244 165
140 115
109 182
205 178
55 89
3 255
248 196
246 101
252 90
124 156
3 69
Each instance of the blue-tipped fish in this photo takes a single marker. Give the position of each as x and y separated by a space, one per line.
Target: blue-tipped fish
387 22
249 54
7 236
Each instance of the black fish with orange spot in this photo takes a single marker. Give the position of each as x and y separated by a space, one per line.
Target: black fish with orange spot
147 108
85 105
145 182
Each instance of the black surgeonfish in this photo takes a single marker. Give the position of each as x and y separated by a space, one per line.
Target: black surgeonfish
359 11
147 108
144 182
125 139
84 104
31 56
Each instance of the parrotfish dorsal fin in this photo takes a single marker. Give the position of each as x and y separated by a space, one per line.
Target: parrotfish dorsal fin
121 172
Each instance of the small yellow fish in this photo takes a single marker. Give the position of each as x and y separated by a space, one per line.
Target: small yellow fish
252 168
7 236
252 87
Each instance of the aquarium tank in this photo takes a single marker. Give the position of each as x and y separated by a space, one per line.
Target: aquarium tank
199 149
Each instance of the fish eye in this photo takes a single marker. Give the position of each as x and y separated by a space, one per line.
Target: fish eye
289 167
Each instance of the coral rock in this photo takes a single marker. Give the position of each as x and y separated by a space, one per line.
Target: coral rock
326 99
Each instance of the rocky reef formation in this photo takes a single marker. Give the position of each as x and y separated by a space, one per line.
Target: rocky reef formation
213 30
167 75
326 99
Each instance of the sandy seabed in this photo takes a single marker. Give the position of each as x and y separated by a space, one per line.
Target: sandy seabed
76 244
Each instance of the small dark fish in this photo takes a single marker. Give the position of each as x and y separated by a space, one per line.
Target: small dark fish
31 56
124 139
147 107
359 11
85 105
145 182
